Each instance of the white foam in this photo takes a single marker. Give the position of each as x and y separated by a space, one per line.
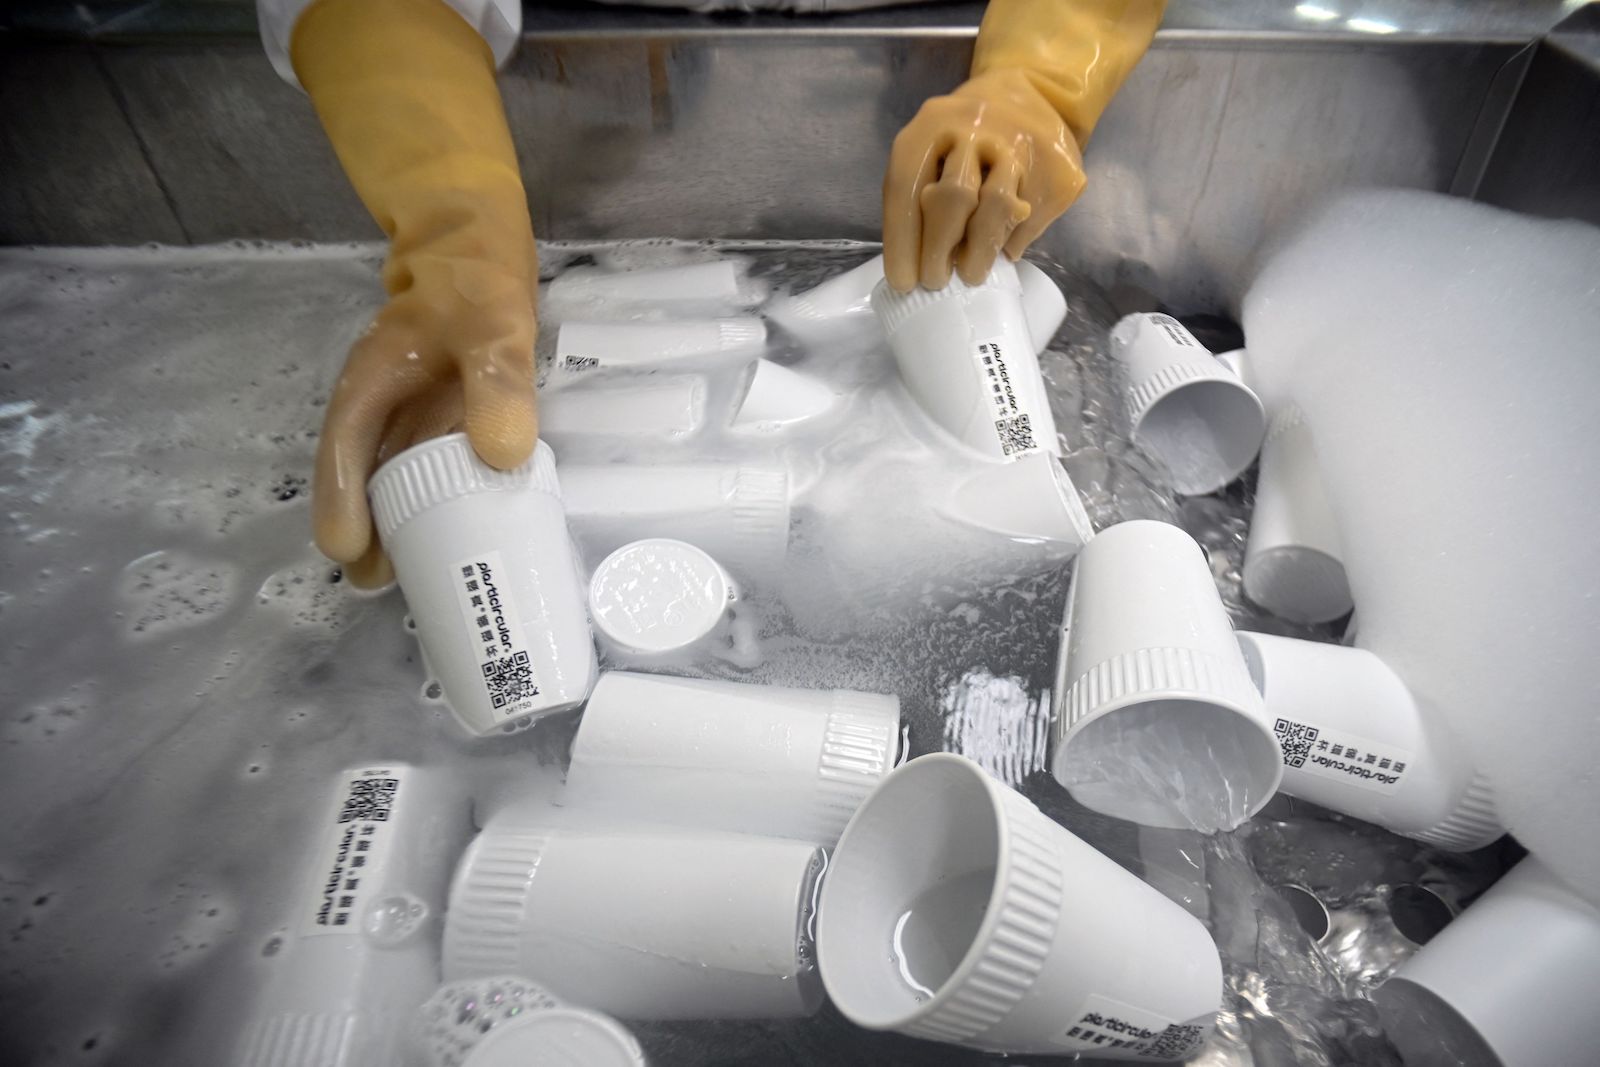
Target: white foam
1445 355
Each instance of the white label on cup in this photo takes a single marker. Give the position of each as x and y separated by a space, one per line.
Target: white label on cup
1175 331
1112 1028
492 624
353 856
1341 756
1014 425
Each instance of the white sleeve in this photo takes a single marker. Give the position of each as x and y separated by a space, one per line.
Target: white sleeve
499 21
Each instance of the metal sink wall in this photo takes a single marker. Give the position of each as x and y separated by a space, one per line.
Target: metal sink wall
121 124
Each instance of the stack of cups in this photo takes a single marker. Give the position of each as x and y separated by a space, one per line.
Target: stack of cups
731 756
510 1022
966 355
361 950
1293 562
1354 740
1186 409
1157 720
642 925
1513 982
491 579
737 514
657 598
956 911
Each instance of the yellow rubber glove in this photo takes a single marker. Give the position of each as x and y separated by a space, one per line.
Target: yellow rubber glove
406 92
997 161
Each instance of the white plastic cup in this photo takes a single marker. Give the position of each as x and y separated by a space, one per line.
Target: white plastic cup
560 1037
732 756
739 514
778 398
1354 740
1293 562
1187 409
1044 305
967 357
1238 362
717 283
1032 500
510 1021
657 597
1157 719
490 577
361 951
1514 981
840 305
585 349
641 925
666 410
956 911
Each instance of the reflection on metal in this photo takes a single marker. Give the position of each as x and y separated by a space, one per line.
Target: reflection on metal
1309 912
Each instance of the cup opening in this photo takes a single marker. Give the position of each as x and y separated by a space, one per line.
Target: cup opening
1178 763
912 883
1207 433
1426 1029
1298 583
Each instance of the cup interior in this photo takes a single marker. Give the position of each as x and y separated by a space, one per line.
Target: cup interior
912 882
1206 432
1177 763
1298 583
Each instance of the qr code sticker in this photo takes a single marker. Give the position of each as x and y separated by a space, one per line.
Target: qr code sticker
1296 740
510 679
1016 434
370 800
1174 1043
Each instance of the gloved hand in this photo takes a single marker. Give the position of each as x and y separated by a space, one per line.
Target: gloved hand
406 92
994 163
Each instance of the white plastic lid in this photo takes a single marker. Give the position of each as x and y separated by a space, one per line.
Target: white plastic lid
658 595
558 1037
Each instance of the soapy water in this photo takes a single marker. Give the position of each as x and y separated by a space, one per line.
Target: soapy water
185 675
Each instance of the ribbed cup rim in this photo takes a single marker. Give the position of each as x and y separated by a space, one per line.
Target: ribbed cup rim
1473 824
1156 674
443 469
895 308
858 748
483 926
761 508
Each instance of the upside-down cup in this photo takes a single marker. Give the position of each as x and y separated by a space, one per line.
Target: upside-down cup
1186 408
658 597
1355 741
511 1022
491 579
361 951
1513 982
956 911
733 756
1293 562
739 514
1157 720
966 355
584 349
641 925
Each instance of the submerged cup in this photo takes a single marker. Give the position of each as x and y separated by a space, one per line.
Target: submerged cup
664 410
1186 408
729 755
1513 982
656 597
490 576
511 1022
584 349
956 911
361 952
1355 741
641 925
1293 562
1157 720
